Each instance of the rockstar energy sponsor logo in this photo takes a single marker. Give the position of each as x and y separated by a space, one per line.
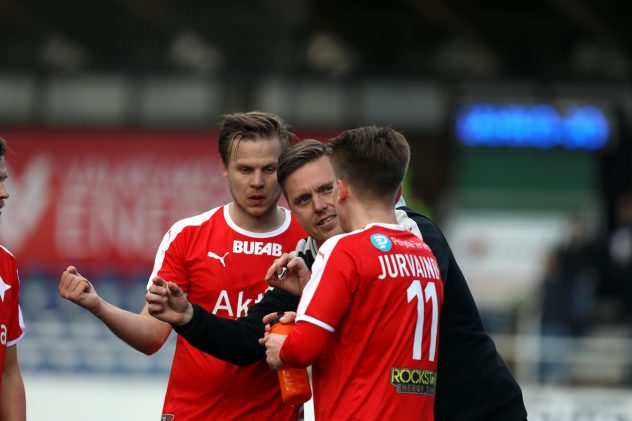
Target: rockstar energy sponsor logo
414 380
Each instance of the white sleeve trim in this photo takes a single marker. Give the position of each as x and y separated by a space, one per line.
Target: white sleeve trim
16 340
21 322
314 321
7 250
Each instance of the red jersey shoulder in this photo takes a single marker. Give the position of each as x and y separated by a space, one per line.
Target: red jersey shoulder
189 226
4 252
8 265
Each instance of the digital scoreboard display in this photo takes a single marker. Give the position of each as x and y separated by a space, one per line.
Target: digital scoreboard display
534 126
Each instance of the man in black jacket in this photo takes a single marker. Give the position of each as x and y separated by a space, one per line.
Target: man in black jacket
473 382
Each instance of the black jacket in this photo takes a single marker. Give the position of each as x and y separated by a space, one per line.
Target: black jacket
473 382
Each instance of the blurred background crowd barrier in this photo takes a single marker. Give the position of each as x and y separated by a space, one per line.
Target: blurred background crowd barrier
519 124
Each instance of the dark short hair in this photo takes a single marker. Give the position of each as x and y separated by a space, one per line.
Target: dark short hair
250 125
298 155
3 146
373 159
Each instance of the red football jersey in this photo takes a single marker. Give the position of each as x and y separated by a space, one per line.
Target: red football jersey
11 322
379 291
221 267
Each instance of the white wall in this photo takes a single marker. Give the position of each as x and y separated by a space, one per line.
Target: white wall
83 398
76 398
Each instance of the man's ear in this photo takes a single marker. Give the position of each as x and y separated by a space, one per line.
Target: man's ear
224 170
343 190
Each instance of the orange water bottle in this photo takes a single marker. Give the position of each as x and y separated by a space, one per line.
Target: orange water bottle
294 382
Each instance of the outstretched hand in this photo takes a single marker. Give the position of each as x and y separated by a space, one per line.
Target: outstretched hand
293 278
167 302
79 290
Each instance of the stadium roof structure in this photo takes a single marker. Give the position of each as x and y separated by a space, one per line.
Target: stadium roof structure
578 40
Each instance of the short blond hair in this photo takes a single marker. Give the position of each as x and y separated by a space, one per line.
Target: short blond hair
250 126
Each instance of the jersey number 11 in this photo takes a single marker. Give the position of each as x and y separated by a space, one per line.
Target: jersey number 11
428 294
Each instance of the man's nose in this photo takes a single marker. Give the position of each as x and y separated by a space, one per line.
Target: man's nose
257 178
4 193
319 203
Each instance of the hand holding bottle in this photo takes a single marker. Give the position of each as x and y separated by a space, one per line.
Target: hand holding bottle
294 382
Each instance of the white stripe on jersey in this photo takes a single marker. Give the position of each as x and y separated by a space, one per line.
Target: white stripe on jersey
173 233
21 321
5 249
394 227
315 321
317 272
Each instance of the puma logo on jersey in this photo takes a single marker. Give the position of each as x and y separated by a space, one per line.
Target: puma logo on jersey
257 248
215 256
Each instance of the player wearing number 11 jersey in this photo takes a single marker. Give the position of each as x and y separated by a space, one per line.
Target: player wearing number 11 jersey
368 319
379 291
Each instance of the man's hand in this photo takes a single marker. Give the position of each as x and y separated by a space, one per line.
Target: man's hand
293 278
273 343
167 302
288 317
79 290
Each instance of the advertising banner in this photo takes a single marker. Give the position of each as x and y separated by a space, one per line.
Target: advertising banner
102 199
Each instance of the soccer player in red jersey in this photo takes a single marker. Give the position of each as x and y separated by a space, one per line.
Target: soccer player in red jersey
12 396
218 259
368 318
